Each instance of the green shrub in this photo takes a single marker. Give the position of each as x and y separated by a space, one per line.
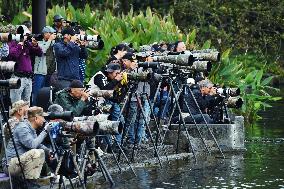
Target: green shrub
235 71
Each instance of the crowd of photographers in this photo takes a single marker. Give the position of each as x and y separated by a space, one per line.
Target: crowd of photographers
128 88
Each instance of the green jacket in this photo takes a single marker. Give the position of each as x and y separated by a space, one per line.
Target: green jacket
69 103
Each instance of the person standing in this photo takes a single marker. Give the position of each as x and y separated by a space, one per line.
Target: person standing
21 53
41 63
67 53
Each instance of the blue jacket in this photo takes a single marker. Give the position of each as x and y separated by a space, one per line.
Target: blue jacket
25 139
67 58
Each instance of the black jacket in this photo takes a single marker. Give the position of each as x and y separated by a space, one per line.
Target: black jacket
201 100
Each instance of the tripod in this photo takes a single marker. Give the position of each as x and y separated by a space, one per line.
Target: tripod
86 151
131 92
181 91
60 155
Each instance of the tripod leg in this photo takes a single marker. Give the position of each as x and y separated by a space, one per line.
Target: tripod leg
116 161
78 172
186 131
121 150
157 124
179 131
148 128
72 186
4 148
104 169
155 121
135 129
197 127
207 125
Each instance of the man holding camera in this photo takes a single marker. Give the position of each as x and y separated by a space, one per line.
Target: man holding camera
68 52
58 24
28 144
44 62
21 52
109 79
200 95
74 98
135 122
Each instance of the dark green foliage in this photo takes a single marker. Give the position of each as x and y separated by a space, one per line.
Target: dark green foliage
243 25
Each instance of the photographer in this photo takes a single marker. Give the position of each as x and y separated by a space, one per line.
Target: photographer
21 53
117 52
28 144
58 24
17 114
42 63
68 53
109 79
82 61
179 46
136 132
200 93
74 98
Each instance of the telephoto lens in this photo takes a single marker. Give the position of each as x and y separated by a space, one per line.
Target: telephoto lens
235 102
153 65
180 59
206 54
102 93
7 66
142 76
229 91
12 83
66 116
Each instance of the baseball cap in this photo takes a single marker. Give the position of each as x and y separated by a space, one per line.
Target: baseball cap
129 56
112 67
16 106
55 108
57 17
48 29
68 30
76 84
35 110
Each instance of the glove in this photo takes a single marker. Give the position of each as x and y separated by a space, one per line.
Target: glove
48 127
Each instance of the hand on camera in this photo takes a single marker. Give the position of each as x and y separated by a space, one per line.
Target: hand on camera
213 91
48 127
82 43
118 77
34 42
52 37
51 156
85 95
74 38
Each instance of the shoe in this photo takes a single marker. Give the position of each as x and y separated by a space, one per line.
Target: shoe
91 169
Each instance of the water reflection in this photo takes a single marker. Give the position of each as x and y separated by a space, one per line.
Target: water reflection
261 166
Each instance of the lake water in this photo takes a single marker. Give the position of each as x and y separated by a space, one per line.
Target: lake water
260 166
